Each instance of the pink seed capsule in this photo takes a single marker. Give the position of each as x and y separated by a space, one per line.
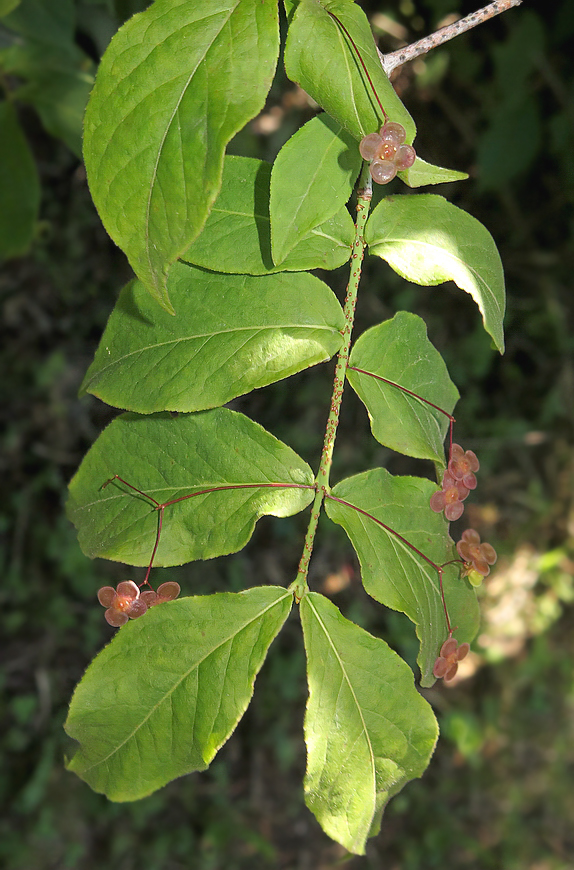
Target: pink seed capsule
369 146
393 132
406 156
382 171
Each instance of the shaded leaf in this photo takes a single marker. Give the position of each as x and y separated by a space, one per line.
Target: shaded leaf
58 87
368 731
238 471
237 235
163 697
428 240
176 83
399 351
45 21
19 186
320 58
394 573
312 178
232 333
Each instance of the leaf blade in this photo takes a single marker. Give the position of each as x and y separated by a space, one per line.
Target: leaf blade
19 186
319 57
200 73
232 334
237 471
367 729
428 241
392 572
162 698
399 351
236 237
312 178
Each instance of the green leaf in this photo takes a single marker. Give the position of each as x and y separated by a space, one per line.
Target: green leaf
428 240
19 187
421 173
232 334
320 58
237 236
169 690
394 573
399 351
312 178
235 471
368 731
175 85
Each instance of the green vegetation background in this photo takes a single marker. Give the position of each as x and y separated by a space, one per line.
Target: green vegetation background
497 102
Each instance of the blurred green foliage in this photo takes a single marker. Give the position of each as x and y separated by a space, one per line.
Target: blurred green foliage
496 102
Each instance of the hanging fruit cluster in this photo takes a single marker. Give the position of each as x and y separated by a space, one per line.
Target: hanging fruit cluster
387 152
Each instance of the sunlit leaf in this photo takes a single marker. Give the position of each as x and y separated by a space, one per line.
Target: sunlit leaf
421 173
237 235
175 84
428 240
312 179
232 333
320 58
163 697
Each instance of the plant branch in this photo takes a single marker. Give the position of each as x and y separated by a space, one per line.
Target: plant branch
445 34
364 194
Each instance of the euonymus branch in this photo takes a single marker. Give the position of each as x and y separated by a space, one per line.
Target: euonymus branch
223 303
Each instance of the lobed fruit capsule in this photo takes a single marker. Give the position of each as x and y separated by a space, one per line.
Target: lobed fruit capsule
451 653
369 146
382 171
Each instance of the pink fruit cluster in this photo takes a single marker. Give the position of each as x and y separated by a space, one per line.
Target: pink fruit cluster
126 602
458 480
476 556
387 152
451 653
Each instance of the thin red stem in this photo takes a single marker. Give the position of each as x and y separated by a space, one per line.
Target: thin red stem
358 53
155 546
437 568
451 419
161 507
135 489
404 390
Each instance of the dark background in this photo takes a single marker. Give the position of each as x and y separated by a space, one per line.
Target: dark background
498 104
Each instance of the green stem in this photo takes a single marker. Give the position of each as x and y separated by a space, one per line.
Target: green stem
299 586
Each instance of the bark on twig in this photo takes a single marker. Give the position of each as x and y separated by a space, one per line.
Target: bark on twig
421 46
